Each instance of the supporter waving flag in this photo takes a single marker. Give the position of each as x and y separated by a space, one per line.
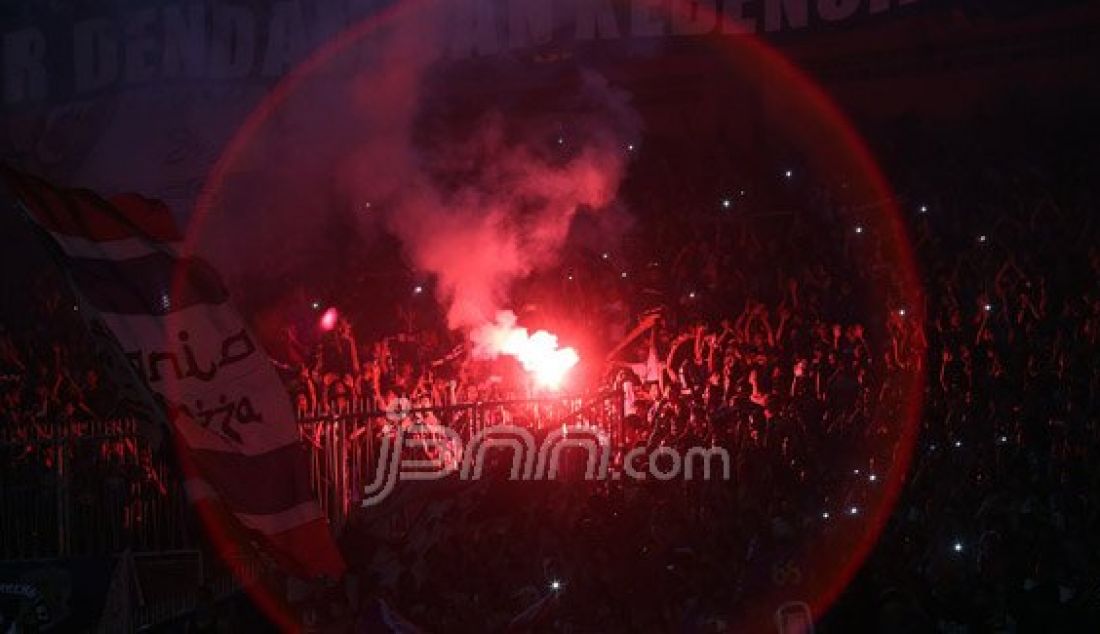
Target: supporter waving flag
228 412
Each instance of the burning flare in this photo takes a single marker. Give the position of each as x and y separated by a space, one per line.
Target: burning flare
538 353
328 320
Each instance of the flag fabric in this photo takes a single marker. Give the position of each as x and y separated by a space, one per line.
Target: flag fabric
227 409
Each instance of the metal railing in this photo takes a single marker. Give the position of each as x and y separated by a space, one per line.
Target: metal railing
84 487
345 444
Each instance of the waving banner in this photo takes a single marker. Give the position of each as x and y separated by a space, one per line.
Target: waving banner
229 413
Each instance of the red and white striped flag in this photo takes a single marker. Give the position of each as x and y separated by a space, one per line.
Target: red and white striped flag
229 413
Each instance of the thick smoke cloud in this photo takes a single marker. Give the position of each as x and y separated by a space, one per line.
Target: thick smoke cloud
505 221
491 206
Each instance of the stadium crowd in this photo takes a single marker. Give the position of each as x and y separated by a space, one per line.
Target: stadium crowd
996 528
782 337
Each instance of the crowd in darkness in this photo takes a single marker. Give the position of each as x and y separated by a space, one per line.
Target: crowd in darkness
66 442
784 336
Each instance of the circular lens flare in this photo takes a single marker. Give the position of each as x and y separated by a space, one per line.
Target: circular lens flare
813 120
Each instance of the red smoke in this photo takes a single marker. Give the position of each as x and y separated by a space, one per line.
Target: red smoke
491 206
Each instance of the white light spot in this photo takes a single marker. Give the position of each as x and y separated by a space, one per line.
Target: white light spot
859 228
853 511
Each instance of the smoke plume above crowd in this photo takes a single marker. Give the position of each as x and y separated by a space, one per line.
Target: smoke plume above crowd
477 200
481 208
